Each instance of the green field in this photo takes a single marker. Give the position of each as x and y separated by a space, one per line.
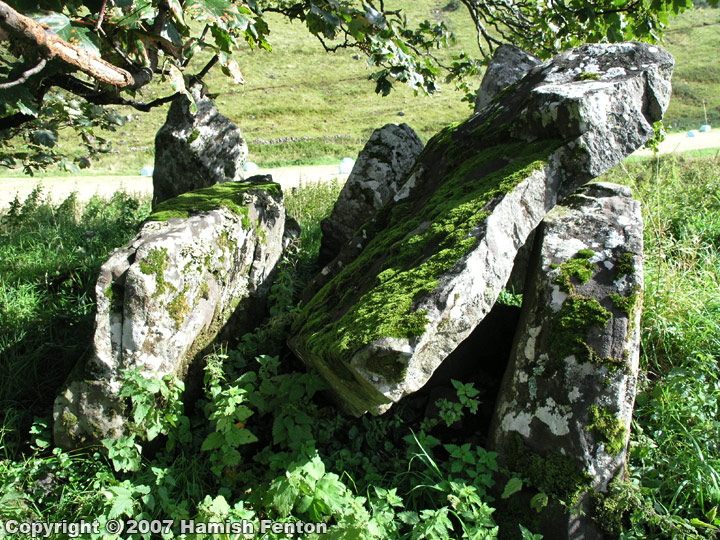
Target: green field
327 107
399 476
395 477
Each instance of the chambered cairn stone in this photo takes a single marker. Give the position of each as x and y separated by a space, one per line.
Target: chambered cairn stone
194 150
198 259
433 260
378 173
508 65
562 416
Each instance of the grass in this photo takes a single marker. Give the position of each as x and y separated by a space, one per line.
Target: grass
297 110
50 255
692 40
49 264
675 459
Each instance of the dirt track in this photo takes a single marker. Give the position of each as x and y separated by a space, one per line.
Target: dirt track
59 187
288 177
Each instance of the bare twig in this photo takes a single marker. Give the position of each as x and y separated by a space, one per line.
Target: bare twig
25 76
208 67
101 16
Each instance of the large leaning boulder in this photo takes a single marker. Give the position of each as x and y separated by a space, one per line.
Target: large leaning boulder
567 397
378 173
161 299
508 65
194 150
432 262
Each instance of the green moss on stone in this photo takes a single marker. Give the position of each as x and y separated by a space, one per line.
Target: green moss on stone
627 303
570 327
155 263
554 474
204 290
625 265
114 294
69 420
578 267
392 368
588 76
608 428
178 308
412 244
228 195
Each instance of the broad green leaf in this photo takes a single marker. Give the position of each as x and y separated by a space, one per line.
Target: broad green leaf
123 502
213 441
240 436
177 12
144 11
513 486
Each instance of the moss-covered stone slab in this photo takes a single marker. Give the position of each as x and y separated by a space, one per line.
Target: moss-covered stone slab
161 299
196 149
415 280
569 388
381 167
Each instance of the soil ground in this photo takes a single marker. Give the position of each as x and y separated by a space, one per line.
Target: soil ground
59 187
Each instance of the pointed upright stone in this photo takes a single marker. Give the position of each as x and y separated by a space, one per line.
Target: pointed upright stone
509 64
379 171
194 150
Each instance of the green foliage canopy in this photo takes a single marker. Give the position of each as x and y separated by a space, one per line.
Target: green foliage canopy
62 62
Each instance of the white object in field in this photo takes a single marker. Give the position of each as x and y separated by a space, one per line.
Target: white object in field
146 171
250 166
705 128
346 165
692 133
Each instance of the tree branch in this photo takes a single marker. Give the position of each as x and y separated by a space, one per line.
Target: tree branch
50 46
25 76
79 88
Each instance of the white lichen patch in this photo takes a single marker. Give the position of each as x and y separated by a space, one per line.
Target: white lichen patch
519 423
614 239
614 72
623 284
558 298
554 416
530 345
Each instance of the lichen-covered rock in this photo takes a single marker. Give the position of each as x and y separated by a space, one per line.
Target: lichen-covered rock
378 173
569 389
161 299
196 150
508 65
432 263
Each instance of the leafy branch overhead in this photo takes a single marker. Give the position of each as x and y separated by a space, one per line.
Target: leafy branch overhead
103 52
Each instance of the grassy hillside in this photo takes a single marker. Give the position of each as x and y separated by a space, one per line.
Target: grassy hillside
300 105
694 40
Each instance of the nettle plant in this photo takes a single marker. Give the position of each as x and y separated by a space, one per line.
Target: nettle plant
264 444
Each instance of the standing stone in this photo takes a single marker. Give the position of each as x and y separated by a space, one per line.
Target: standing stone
509 64
376 177
199 259
196 150
567 396
433 262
